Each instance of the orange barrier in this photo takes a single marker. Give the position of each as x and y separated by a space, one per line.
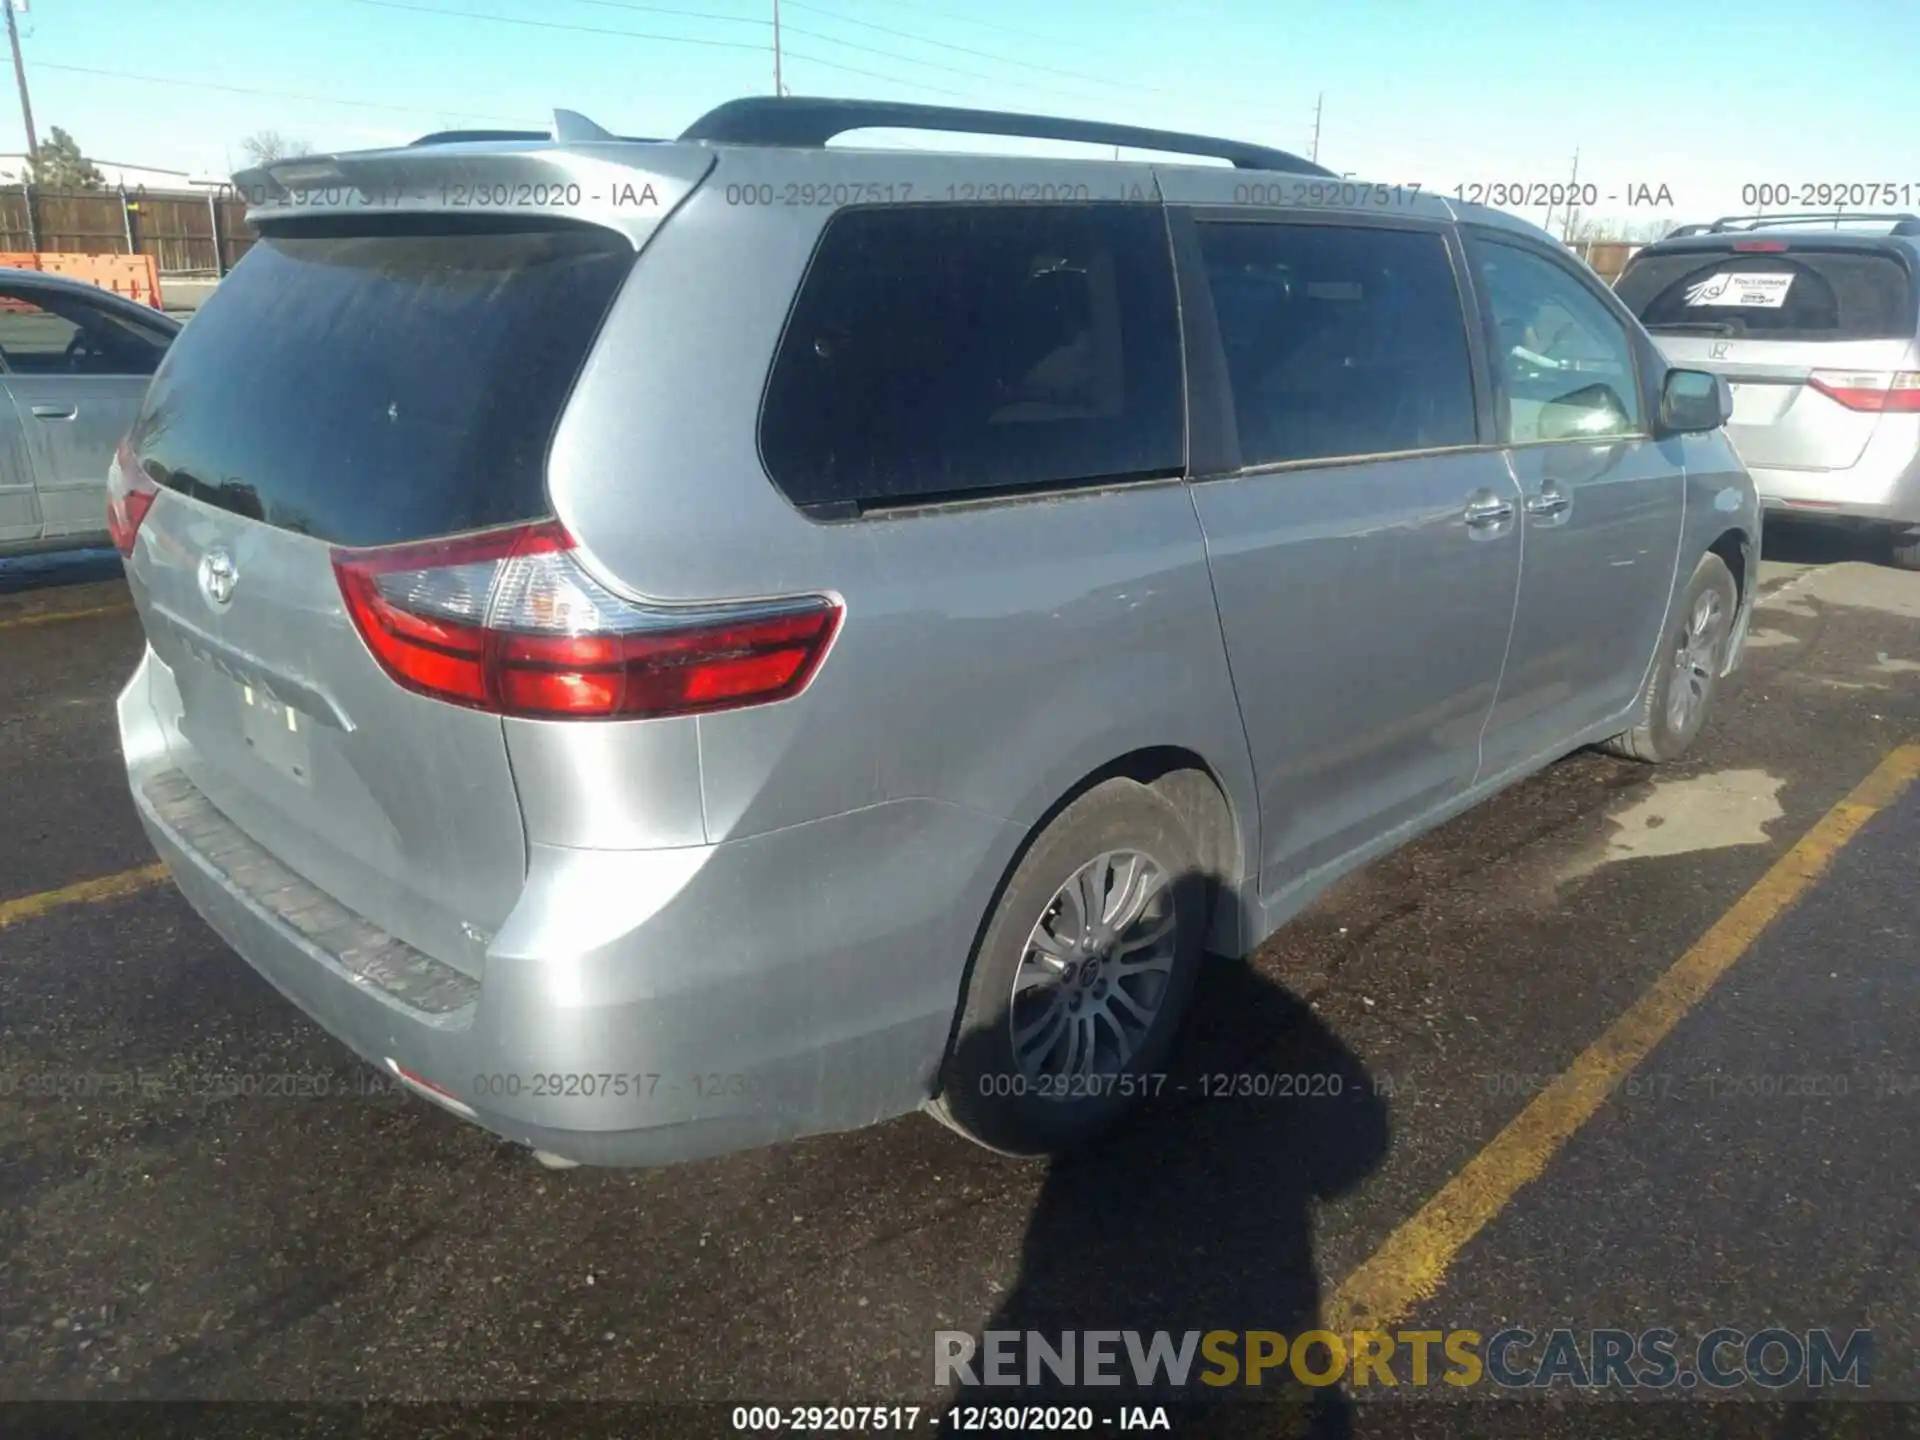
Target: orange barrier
137 277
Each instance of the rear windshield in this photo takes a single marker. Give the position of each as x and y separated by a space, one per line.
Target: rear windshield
1793 295
372 388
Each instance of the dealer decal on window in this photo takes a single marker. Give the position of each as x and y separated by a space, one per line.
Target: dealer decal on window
1764 292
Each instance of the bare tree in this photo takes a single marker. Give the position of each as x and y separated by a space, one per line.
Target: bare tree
1599 231
263 147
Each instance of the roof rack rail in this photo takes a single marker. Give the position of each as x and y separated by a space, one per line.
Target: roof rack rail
811 121
1904 222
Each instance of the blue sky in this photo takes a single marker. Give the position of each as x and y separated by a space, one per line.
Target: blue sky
1702 97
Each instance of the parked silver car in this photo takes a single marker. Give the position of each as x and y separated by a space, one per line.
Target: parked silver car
75 360
1817 328
667 646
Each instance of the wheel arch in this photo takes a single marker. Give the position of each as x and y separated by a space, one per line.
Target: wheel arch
1735 547
1223 838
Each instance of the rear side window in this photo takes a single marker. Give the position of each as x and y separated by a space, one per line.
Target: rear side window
943 351
373 388
1340 340
1793 295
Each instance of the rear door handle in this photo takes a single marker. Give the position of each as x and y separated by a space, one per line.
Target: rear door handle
1551 500
1487 510
55 412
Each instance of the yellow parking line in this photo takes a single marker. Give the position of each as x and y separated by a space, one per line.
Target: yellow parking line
1410 1266
51 616
104 887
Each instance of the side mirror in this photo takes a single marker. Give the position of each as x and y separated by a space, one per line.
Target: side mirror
1692 401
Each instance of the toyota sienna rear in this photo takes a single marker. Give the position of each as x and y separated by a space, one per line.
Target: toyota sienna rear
668 646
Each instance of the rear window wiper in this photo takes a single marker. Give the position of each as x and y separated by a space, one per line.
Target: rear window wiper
1701 327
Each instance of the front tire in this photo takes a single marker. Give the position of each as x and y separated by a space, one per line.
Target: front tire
1081 977
1686 670
1903 547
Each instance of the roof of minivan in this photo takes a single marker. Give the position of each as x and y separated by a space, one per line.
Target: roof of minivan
803 126
1826 239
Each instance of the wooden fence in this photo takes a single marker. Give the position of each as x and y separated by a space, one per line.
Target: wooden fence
187 233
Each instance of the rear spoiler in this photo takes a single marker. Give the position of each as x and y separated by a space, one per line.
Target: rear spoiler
576 171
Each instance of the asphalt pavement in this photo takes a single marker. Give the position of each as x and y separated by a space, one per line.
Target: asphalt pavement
203 1196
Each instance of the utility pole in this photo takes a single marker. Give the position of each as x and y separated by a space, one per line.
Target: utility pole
779 86
1547 224
1574 187
1314 154
20 74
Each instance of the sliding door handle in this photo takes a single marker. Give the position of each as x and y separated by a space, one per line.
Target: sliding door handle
1487 510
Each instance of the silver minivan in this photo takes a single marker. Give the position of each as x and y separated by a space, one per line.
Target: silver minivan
665 646
1816 329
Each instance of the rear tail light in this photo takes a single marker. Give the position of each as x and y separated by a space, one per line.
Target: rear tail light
510 621
130 495
1887 392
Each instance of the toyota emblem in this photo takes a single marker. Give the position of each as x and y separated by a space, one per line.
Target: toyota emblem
218 577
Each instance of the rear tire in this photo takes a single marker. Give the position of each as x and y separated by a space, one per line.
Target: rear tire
1686 669
1903 547
1081 977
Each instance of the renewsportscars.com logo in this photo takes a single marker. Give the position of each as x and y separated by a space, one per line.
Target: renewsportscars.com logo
1514 1358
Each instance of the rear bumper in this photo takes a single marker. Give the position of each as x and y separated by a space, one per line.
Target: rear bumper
1875 489
638 1007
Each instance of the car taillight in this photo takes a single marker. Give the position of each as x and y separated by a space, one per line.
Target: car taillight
1888 392
510 621
130 495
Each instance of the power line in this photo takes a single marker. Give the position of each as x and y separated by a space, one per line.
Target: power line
978 54
984 24
274 94
560 25
640 35
791 29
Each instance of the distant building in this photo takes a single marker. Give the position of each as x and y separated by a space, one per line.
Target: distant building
13 167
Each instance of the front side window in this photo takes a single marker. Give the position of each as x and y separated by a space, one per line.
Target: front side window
1563 363
946 350
48 334
1339 340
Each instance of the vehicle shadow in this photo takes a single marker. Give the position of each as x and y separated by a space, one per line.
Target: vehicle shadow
1800 542
1198 1216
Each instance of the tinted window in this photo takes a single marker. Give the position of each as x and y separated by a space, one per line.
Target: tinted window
373 388
1798 295
48 333
1563 362
1339 341
951 350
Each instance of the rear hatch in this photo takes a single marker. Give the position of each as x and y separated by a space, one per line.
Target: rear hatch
1814 336
358 380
